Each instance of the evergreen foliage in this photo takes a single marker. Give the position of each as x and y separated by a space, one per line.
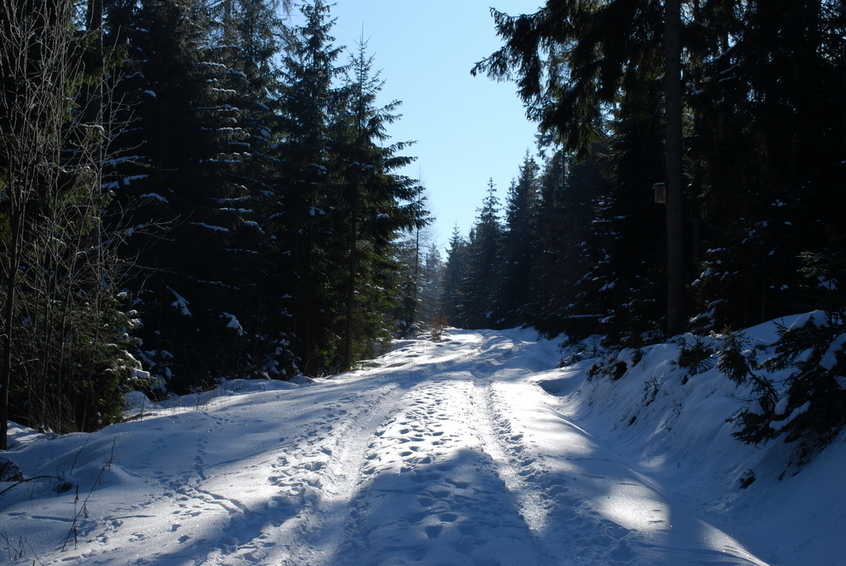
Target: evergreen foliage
813 406
180 175
454 271
798 392
377 204
519 245
305 243
770 156
564 269
761 159
431 283
262 223
419 285
478 305
406 312
63 363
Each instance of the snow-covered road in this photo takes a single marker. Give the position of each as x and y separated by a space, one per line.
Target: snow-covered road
437 453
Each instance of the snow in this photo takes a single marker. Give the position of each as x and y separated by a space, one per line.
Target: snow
154 196
233 323
778 425
114 162
473 450
180 303
210 226
128 180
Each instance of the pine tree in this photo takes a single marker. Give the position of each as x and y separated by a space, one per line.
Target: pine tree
480 287
375 202
455 271
568 262
519 244
306 247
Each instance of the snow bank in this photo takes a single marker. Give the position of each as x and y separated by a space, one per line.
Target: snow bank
674 428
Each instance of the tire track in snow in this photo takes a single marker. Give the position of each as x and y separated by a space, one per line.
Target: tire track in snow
501 445
424 470
586 505
429 491
324 474
564 526
516 463
330 460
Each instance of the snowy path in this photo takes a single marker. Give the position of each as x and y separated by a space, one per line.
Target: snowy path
419 474
437 454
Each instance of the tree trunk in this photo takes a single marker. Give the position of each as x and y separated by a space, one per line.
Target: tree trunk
416 276
8 330
353 266
674 174
94 117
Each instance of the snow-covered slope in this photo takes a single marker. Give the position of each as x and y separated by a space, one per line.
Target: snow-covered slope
475 450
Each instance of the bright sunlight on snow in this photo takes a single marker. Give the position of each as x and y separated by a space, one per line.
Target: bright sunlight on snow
473 450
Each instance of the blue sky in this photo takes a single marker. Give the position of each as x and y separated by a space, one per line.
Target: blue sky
468 129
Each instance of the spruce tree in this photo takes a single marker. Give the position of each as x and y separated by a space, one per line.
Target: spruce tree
406 312
455 271
480 286
245 44
629 284
578 64
306 246
769 157
420 284
178 177
375 202
431 283
564 272
519 244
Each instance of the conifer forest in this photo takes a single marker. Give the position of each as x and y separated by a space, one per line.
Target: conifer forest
193 190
